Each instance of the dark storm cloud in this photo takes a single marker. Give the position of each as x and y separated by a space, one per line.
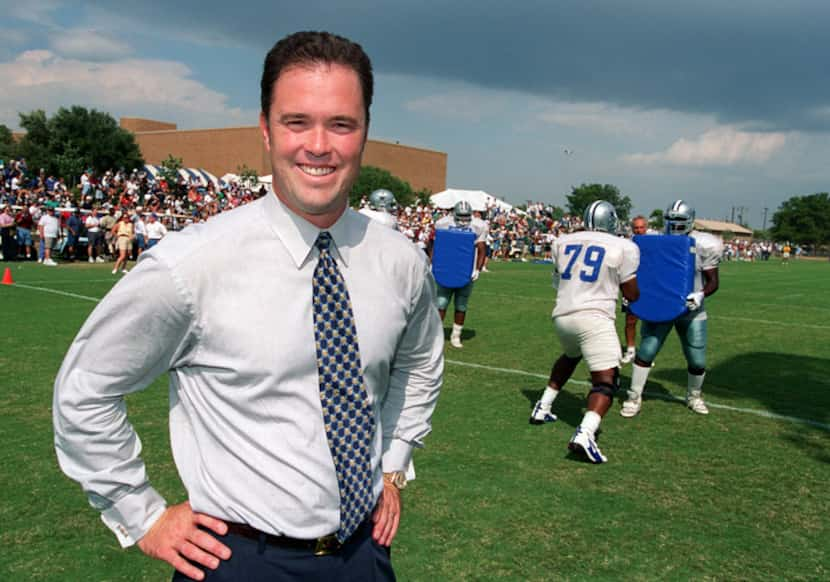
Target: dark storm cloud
745 61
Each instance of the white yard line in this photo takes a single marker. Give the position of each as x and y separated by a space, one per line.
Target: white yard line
53 282
668 397
56 292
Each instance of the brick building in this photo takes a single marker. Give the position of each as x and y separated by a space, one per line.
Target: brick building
226 149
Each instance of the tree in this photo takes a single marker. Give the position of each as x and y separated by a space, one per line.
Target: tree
91 136
248 176
803 220
655 219
581 197
372 178
34 146
8 147
170 167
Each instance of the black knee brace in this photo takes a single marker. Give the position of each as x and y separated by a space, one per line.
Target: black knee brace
605 388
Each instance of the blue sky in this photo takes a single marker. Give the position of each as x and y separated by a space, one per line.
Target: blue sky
726 104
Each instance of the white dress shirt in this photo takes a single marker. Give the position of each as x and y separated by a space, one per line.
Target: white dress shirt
233 325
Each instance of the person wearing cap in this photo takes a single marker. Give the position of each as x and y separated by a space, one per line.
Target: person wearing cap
107 222
283 480
155 231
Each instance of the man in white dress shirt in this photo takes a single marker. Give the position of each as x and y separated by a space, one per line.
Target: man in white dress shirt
246 383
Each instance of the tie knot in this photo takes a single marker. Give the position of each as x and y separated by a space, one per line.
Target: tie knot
323 241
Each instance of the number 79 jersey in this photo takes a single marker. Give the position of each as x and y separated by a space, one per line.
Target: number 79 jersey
590 267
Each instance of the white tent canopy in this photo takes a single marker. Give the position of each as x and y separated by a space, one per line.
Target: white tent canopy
478 199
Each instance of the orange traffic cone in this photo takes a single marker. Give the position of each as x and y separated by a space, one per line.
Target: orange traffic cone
7 277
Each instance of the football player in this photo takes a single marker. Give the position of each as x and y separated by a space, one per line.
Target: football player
591 268
691 327
462 218
382 207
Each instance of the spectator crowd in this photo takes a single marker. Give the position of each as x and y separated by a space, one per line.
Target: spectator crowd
86 222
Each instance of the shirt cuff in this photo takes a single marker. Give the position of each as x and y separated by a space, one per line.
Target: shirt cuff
396 456
133 515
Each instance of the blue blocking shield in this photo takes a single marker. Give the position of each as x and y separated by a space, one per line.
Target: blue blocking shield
665 277
453 253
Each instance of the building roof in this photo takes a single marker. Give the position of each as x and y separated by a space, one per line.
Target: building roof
721 226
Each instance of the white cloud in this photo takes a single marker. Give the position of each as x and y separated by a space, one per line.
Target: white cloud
89 45
724 146
134 87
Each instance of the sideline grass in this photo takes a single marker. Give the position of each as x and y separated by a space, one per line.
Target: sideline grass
729 496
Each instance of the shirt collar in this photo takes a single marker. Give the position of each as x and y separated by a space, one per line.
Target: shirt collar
298 235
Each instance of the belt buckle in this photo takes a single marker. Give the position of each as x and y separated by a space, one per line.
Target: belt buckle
326 545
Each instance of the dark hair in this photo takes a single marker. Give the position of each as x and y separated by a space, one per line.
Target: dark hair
309 48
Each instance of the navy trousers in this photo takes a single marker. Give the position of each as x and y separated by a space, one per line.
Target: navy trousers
361 559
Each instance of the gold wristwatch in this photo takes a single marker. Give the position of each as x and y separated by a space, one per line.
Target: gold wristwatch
396 478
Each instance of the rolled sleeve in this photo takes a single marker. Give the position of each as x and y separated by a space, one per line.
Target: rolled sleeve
130 339
415 379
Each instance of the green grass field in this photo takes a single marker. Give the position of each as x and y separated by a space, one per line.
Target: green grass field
739 495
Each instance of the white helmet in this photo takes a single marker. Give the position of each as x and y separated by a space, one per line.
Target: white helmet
382 200
679 218
463 213
602 216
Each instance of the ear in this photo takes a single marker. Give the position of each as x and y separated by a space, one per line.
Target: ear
266 132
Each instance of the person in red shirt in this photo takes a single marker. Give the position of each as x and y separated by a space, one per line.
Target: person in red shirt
25 222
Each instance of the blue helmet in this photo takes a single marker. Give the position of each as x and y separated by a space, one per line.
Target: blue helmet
601 216
679 218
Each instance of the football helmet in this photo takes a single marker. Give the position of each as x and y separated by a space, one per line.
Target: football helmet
679 218
463 213
602 216
382 200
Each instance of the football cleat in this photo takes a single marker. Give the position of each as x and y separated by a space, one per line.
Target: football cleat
631 407
628 356
455 342
696 404
584 444
541 415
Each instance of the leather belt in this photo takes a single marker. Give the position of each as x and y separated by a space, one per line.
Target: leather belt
322 546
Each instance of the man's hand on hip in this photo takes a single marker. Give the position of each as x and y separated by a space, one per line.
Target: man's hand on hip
387 515
176 538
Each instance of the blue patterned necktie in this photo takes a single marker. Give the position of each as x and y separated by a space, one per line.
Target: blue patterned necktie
347 413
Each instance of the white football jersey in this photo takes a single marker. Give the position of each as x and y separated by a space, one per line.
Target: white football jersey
384 218
478 226
590 267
